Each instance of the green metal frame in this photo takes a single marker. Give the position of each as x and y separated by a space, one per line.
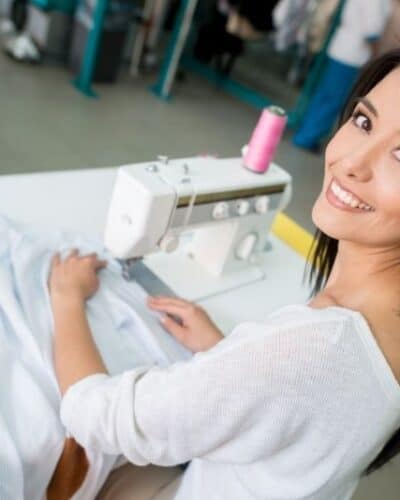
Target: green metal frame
174 49
173 56
66 6
238 90
83 82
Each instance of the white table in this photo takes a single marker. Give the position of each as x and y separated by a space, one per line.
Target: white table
78 200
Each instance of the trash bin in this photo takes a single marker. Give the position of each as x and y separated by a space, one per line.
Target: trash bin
117 20
50 29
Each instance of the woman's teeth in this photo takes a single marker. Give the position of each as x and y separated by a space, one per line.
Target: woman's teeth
348 199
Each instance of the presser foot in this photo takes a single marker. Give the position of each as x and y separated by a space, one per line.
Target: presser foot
128 267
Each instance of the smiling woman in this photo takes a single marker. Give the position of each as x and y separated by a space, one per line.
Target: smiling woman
298 405
358 215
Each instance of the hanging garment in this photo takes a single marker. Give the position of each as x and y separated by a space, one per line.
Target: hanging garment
289 17
361 23
257 12
319 24
240 26
391 36
214 43
325 104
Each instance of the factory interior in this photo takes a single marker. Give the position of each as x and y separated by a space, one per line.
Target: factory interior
92 85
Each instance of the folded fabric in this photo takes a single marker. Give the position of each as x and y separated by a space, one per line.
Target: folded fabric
126 332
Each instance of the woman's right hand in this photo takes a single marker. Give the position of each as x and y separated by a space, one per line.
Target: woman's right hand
187 322
75 276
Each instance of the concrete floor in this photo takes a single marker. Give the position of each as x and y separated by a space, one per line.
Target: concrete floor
47 125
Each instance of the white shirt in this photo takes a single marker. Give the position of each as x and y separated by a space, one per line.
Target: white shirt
361 20
294 407
125 331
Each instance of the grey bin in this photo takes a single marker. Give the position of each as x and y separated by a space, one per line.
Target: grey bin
115 30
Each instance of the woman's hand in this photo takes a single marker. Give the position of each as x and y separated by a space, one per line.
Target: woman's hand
187 322
75 277
72 281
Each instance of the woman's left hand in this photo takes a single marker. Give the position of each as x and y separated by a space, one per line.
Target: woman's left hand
187 322
75 277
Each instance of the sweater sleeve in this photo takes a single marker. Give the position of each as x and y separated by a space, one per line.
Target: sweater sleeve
249 387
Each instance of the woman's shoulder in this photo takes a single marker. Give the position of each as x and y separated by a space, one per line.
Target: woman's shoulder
302 322
323 310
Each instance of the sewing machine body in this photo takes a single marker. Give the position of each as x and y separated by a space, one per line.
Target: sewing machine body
228 209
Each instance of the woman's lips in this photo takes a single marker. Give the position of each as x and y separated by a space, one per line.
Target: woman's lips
345 200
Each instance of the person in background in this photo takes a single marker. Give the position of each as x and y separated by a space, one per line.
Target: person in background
353 44
391 37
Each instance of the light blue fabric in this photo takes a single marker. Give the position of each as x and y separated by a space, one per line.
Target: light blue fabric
127 334
326 104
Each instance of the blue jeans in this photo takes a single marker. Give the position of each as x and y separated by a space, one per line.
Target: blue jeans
326 103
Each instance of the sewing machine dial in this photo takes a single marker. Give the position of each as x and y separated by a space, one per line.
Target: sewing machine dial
220 211
262 204
242 207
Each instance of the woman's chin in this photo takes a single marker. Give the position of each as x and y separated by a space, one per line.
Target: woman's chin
325 221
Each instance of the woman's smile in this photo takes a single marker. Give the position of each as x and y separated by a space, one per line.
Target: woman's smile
343 199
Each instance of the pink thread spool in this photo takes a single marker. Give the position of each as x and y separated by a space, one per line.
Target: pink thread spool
265 139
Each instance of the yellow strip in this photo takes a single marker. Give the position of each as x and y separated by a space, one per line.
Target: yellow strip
292 234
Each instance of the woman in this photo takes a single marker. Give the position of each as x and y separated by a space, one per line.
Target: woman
298 406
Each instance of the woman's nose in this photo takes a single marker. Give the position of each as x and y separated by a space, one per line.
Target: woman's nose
358 162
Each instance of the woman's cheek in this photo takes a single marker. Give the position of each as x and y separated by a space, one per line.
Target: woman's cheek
335 146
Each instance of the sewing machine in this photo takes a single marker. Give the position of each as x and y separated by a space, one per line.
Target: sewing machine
228 209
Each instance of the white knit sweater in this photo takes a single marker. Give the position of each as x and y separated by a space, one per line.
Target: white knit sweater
292 408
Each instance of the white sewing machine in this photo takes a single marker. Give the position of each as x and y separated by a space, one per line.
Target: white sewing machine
228 208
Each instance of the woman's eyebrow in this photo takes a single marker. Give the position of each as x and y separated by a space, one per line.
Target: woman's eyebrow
368 104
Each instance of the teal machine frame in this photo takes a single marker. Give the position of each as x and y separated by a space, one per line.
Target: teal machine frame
66 6
174 56
83 81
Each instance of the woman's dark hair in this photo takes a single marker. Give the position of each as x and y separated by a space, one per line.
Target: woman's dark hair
324 249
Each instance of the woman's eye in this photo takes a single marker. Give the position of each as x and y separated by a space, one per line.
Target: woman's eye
396 154
362 121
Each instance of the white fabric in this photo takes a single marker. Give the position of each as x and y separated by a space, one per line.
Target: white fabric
295 407
31 433
361 20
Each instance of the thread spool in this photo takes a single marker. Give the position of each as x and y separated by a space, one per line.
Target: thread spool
265 139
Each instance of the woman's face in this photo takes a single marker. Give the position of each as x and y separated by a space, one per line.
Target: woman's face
360 198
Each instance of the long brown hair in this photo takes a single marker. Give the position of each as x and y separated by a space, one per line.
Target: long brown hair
324 250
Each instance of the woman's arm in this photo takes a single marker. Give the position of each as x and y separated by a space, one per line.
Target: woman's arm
71 283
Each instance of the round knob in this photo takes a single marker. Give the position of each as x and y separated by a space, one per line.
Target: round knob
169 243
242 207
221 210
262 204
